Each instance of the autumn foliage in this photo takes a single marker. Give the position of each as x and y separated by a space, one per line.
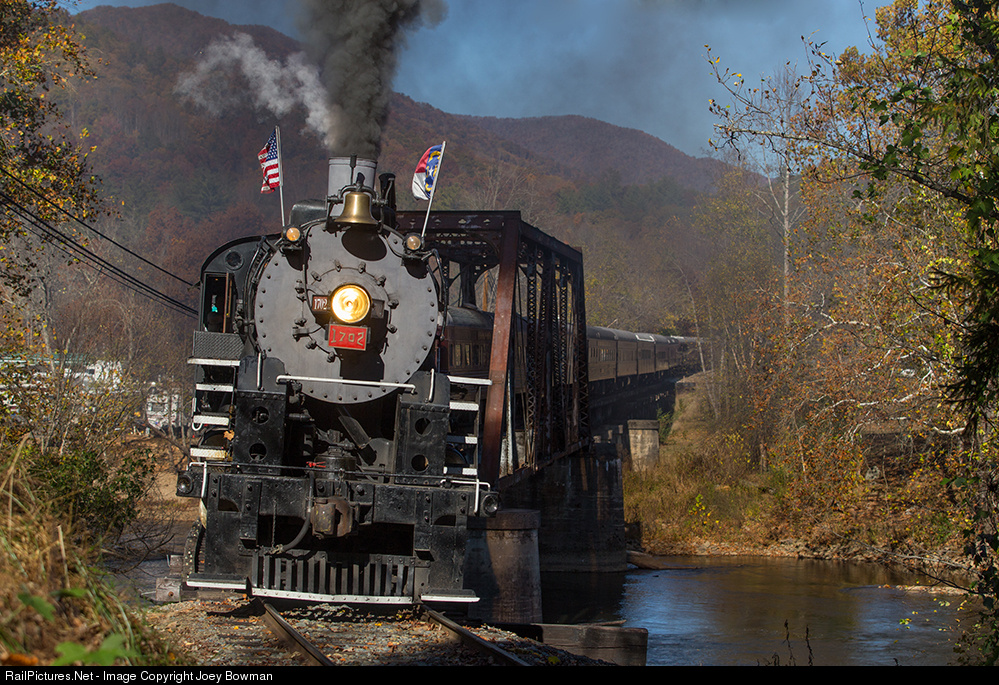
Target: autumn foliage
874 367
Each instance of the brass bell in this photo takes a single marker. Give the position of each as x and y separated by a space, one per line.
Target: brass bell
356 210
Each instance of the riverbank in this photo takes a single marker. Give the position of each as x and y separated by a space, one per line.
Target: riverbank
711 495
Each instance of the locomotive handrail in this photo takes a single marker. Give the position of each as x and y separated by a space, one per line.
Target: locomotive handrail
344 381
477 483
204 470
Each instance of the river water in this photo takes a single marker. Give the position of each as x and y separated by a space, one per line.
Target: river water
722 611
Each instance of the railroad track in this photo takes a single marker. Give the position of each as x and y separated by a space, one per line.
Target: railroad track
235 632
285 632
294 639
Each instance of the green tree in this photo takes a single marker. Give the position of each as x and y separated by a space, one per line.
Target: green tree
71 425
920 108
948 141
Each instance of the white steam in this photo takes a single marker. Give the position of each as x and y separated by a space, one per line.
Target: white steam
269 84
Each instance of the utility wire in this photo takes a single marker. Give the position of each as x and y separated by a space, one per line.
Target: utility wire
35 192
85 254
45 231
29 218
121 280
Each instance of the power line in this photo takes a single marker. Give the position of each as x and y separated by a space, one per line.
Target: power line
108 273
38 194
85 256
31 219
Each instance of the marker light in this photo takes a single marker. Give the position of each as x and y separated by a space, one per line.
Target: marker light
292 234
350 303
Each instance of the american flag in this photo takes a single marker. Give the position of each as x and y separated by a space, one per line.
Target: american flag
271 165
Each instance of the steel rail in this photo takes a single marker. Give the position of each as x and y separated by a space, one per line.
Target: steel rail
288 635
284 632
470 639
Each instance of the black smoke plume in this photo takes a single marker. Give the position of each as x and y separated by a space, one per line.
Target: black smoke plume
355 42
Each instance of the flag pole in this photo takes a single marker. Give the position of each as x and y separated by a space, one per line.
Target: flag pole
280 173
433 189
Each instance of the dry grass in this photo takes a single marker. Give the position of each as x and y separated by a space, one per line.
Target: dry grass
46 593
705 495
699 492
54 607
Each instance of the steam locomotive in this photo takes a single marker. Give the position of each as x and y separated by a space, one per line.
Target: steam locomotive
324 466
338 404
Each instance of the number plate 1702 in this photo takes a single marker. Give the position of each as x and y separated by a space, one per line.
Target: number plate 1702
349 337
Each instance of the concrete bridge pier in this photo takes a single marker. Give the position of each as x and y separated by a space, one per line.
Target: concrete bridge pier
502 567
580 502
636 442
566 517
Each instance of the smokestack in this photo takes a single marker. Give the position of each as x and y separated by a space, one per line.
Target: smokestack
355 43
343 173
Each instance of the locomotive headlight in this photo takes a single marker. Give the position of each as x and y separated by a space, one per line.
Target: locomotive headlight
350 303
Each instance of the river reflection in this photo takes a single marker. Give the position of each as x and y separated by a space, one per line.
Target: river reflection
732 610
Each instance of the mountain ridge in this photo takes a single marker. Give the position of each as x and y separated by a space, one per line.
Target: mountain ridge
580 147
648 158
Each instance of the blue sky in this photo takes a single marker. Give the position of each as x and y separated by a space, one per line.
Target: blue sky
634 63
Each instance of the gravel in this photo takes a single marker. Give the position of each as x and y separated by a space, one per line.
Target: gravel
231 633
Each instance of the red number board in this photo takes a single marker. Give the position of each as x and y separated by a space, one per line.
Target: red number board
348 337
